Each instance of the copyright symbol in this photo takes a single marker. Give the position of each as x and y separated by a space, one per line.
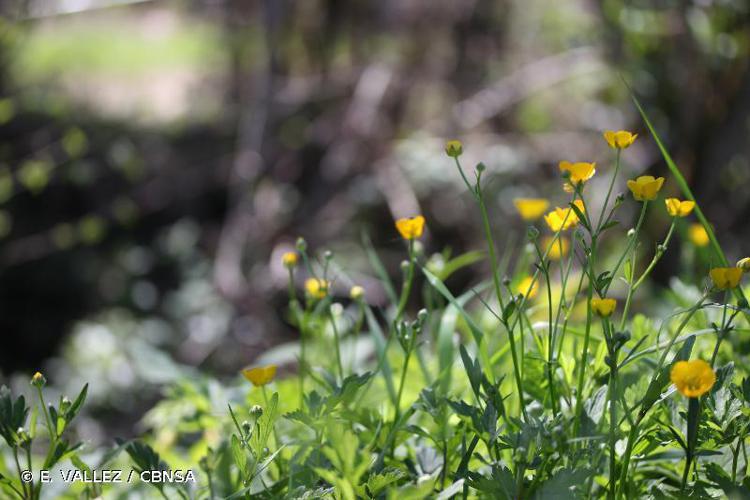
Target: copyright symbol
26 476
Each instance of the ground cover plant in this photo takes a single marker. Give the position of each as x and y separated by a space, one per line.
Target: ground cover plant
543 381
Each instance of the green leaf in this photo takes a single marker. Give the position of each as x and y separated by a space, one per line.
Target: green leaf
687 193
76 406
456 263
440 287
659 382
381 346
378 482
379 268
240 458
581 216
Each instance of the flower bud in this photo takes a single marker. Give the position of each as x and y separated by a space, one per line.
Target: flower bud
532 233
404 266
481 167
327 255
256 411
422 316
357 292
289 259
246 426
454 148
301 244
744 264
38 380
24 440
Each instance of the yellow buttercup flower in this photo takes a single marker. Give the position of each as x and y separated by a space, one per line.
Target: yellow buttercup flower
454 149
677 208
620 139
603 307
317 288
693 378
645 187
290 259
744 264
531 208
357 292
562 219
578 172
526 288
558 249
261 375
410 227
698 235
726 278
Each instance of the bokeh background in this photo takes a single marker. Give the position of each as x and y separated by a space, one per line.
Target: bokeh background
158 157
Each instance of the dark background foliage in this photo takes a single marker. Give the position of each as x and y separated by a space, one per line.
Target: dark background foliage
157 157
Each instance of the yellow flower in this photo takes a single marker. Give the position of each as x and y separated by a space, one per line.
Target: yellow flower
454 149
620 139
562 219
693 378
677 208
261 375
726 278
698 235
290 259
525 287
531 208
558 249
744 264
578 172
357 292
410 227
317 288
645 187
603 307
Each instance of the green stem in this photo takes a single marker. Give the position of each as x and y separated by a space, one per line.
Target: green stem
337 342
499 295
632 241
612 393
401 385
20 473
660 249
544 266
406 290
47 418
633 435
609 192
586 338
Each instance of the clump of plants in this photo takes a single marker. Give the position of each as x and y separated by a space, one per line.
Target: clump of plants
539 382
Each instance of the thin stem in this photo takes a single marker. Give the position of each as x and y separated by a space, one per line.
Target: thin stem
660 249
397 413
609 191
337 342
544 265
633 435
612 393
47 418
630 244
406 290
20 473
586 338
499 294
686 472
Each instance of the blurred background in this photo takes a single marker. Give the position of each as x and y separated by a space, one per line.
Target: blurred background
158 157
